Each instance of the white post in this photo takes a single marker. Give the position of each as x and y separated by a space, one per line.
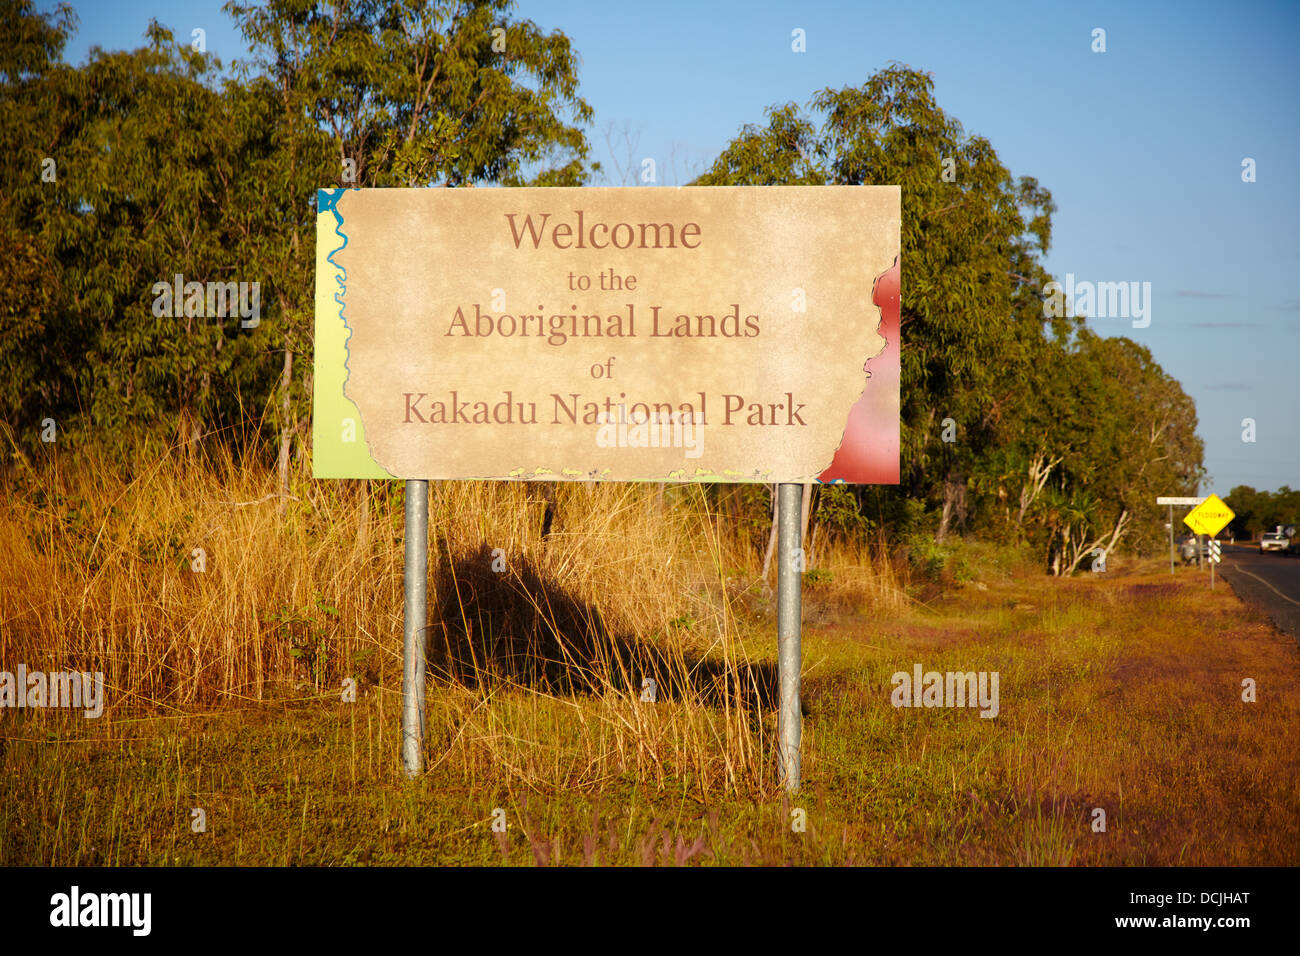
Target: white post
1171 539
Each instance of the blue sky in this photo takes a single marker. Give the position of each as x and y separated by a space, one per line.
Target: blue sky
1141 146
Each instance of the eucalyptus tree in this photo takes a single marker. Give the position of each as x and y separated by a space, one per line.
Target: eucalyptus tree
971 316
1060 436
111 194
392 93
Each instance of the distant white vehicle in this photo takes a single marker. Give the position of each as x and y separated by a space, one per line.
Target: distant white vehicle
1273 541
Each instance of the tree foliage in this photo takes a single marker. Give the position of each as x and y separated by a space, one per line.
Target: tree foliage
1260 511
1061 437
163 164
139 166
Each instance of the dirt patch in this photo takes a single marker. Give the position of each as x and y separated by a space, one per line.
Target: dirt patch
1147 592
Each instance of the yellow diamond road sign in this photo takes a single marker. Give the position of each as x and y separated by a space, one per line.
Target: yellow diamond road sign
1209 517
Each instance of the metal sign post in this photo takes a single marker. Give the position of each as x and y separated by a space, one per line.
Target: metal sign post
1171 539
1209 518
789 619
415 606
1171 501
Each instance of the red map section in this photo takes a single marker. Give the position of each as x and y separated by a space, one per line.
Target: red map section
868 453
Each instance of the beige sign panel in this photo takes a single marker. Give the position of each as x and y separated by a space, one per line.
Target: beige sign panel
697 334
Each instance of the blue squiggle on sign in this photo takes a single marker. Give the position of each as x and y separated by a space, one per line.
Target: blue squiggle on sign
327 200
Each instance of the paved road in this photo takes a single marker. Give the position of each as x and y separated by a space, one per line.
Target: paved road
1270 582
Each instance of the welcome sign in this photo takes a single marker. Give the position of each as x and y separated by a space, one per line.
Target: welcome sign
696 334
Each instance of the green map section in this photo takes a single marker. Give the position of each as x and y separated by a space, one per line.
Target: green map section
339 448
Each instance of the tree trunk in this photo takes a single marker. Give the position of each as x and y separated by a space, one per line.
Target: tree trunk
548 516
190 434
1083 551
1040 468
1054 551
286 427
954 505
771 538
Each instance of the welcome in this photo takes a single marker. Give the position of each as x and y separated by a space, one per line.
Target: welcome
602 235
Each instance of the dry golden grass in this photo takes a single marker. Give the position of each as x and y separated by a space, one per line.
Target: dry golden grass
628 582
1120 692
